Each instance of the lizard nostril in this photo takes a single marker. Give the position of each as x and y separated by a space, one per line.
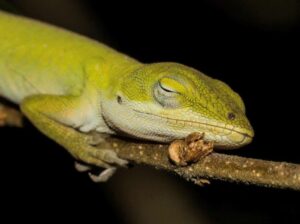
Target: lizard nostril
119 99
231 116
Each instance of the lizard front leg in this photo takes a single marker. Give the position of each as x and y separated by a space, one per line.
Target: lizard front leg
49 114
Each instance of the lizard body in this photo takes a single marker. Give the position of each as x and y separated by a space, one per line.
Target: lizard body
68 85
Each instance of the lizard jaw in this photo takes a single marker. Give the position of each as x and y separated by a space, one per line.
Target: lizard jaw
129 119
224 136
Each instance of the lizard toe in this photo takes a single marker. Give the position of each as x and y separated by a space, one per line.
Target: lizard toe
104 175
109 156
80 167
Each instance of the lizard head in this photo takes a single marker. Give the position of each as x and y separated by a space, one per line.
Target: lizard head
167 101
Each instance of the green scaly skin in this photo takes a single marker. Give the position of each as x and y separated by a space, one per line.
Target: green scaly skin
68 85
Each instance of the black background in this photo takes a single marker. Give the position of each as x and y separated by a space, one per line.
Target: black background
251 45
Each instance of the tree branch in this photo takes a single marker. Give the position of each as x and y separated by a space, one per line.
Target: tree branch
10 116
214 166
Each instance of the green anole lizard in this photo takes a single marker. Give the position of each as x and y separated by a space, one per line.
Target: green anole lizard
68 85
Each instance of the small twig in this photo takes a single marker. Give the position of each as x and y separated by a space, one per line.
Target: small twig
214 166
10 116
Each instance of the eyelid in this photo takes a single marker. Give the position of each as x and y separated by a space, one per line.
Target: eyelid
167 88
171 85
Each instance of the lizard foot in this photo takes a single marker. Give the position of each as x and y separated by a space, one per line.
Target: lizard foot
96 156
91 157
108 156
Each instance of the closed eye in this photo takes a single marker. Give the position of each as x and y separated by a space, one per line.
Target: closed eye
165 95
166 88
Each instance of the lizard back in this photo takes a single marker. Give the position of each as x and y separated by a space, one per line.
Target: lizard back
39 58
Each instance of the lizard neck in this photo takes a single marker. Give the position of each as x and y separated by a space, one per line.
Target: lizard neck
118 69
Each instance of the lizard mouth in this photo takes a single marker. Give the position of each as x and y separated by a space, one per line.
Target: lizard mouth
236 135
